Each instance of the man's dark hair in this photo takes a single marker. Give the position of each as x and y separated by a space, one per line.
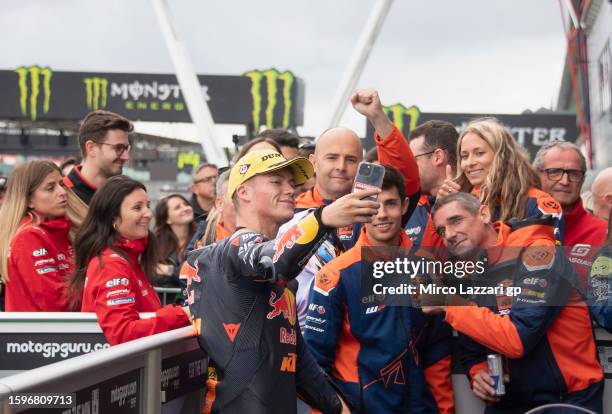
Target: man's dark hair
438 134
394 178
283 137
97 123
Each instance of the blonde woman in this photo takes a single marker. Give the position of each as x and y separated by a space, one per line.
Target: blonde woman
35 251
492 166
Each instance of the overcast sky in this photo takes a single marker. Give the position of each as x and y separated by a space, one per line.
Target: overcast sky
442 55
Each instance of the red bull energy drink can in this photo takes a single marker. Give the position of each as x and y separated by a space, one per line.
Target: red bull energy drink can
496 366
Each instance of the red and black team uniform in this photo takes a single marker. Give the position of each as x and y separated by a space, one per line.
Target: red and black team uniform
39 263
247 323
544 332
584 235
386 359
78 184
116 289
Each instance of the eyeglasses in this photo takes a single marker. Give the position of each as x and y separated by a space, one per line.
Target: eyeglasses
555 174
425 153
118 148
206 180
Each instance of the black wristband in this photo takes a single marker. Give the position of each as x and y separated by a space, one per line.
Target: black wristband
318 213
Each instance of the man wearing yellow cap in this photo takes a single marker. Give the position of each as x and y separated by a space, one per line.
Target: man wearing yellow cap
244 314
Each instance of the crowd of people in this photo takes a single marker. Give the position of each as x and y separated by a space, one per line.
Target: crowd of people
269 252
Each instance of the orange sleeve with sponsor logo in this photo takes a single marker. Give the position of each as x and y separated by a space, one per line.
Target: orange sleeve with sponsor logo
438 377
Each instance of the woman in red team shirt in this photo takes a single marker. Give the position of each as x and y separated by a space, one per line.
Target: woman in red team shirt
35 251
115 259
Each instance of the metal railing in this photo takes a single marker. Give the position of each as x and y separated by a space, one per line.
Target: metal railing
165 292
165 367
143 363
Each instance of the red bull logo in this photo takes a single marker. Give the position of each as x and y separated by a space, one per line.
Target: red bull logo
189 273
285 305
287 241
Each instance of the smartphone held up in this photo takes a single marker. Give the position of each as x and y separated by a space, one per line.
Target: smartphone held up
369 176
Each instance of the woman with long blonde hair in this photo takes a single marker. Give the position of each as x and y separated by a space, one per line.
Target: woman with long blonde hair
35 251
494 167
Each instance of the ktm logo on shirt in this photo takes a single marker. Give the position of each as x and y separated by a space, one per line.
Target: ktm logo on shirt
288 364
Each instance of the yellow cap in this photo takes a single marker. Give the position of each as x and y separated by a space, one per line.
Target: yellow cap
265 161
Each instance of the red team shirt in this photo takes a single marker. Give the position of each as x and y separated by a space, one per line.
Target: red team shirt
39 262
116 289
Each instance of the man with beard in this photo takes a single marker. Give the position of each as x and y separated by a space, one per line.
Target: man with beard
105 147
434 144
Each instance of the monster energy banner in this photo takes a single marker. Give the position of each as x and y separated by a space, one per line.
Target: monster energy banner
259 97
532 131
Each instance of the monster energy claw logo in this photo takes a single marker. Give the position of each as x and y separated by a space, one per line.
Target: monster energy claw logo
96 92
272 76
29 95
399 111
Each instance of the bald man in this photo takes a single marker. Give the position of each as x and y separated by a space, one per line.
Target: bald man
337 155
602 194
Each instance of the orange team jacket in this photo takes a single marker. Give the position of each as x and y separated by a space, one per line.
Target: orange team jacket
386 359
544 331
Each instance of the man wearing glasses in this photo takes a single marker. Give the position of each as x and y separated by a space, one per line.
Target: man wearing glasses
105 148
434 145
561 167
203 189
